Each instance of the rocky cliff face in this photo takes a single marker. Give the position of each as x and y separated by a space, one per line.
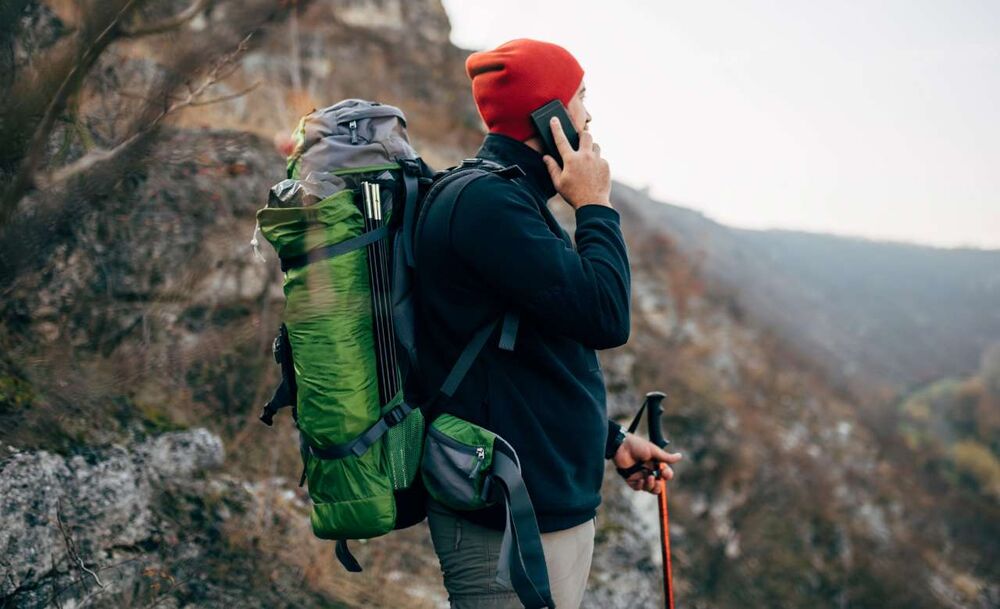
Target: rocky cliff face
149 317
70 526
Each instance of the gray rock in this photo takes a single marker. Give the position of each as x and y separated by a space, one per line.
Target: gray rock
57 511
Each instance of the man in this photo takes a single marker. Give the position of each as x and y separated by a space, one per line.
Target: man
500 248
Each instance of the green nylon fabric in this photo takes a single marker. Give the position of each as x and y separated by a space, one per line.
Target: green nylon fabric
352 497
328 314
329 318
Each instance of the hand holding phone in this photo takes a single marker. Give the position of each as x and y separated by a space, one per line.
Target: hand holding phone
580 175
542 118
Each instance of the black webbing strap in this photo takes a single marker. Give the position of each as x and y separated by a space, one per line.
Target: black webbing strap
625 472
638 417
285 394
508 332
522 559
465 359
409 216
343 554
361 443
329 251
473 348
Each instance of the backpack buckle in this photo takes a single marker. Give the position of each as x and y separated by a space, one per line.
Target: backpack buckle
410 166
277 351
394 417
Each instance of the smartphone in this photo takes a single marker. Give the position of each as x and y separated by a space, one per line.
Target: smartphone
541 117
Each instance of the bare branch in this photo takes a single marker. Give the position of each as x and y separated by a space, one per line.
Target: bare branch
197 6
23 178
217 100
92 158
103 156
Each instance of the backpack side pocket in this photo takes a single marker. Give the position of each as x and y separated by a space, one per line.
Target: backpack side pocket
456 463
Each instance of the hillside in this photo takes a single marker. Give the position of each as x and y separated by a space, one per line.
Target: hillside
875 313
135 354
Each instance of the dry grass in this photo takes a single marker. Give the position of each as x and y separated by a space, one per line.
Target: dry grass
400 569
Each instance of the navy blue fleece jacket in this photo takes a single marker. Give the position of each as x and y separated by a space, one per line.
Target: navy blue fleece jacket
499 248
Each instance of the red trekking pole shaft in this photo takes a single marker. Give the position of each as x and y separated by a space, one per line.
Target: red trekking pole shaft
654 402
668 588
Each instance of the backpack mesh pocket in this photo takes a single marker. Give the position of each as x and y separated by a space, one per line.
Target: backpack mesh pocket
403 447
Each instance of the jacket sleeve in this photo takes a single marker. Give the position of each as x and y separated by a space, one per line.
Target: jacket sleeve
499 232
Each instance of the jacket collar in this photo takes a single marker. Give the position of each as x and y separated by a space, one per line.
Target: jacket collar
507 151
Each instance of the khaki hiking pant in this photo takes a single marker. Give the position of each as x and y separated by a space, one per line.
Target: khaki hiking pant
469 553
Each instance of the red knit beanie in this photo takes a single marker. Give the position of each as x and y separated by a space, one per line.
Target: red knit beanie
517 77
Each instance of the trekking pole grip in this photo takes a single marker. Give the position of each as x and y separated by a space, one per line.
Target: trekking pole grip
654 405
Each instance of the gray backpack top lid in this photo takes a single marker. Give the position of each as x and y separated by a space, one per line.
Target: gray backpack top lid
351 134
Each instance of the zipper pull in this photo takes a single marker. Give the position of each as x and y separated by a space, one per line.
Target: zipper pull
353 126
476 463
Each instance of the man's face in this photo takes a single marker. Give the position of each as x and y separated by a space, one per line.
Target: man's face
578 114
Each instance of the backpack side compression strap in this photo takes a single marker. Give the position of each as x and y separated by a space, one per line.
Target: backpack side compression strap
363 442
329 251
522 560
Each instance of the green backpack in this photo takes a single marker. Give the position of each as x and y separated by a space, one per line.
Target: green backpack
344 226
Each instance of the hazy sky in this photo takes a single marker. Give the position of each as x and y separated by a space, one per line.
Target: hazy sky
877 118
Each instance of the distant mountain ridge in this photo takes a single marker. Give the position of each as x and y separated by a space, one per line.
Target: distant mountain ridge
873 312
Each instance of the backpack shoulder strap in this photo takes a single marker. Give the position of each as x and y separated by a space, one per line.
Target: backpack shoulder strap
522 559
411 174
453 183
456 180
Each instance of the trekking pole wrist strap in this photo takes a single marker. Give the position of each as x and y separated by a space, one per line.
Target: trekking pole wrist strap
616 437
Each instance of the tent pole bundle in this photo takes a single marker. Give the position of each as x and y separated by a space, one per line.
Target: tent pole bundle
378 272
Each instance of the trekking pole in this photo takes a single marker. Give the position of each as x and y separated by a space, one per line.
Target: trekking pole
654 402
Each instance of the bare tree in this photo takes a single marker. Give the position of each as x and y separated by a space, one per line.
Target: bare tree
41 186
40 94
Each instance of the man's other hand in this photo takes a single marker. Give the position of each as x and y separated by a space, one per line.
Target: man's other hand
639 450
